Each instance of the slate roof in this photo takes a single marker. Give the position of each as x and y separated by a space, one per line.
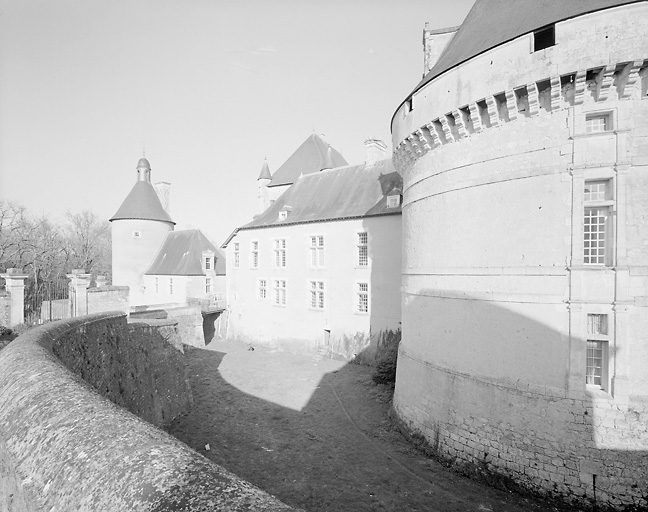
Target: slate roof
182 253
493 22
265 172
308 158
333 194
142 203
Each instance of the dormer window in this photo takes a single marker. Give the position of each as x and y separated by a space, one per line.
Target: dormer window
393 201
285 212
208 263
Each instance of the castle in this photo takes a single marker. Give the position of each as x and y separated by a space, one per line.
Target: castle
524 153
158 264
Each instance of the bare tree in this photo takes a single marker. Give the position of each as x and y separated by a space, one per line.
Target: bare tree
88 242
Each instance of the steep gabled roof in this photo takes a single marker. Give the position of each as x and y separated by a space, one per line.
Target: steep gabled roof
182 255
308 158
142 203
493 22
333 194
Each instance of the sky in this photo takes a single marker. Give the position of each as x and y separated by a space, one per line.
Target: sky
207 88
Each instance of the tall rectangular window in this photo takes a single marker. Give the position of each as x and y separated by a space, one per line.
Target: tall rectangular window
237 255
279 292
597 363
157 285
170 286
263 292
280 253
317 294
363 297
597 238
208 285
207 263
363 249
317 251
254 254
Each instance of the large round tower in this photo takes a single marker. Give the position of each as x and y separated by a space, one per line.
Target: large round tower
525 288
138 230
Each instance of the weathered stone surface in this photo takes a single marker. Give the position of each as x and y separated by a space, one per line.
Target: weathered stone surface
66 447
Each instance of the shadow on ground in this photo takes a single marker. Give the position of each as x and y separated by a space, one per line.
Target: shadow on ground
317 434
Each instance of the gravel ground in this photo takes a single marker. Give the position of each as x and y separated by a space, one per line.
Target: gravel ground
317 434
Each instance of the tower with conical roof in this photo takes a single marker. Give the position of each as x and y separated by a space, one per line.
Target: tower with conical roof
262 187
138 231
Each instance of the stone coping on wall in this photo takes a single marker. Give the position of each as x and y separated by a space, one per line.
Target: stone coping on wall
107 288
66 447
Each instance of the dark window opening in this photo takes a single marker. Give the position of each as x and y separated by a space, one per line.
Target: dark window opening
544 38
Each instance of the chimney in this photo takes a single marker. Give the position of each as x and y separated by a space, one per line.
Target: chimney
163 191
376 150
434 42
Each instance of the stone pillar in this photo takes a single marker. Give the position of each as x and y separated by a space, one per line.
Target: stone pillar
79 282
15 285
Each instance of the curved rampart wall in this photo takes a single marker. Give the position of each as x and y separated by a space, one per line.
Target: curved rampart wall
64 446
496 293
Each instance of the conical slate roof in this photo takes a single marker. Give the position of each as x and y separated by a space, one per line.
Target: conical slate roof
493 22
307 159
142 203
265 172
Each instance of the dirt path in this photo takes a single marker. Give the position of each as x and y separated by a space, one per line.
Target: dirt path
316 433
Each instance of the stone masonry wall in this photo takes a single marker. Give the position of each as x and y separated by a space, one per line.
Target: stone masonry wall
5 309
599 456
108 298
64 446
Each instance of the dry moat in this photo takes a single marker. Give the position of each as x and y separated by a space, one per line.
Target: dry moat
317 434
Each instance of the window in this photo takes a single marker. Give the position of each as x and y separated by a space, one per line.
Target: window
208 263
363 297
254 254
317 251
596 372
544 38
598 123
208 285
137 234
237 255
170 286
279 292
393 201
317 294
283 215
280 253
363 249
597 223
157 285
262 289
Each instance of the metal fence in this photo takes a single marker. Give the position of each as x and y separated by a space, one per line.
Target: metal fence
46 301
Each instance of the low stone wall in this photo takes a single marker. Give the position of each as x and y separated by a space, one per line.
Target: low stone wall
64 445
108 298
188 317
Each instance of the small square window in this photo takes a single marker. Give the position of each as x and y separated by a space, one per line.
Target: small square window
598 123
393 201
137 234
544 38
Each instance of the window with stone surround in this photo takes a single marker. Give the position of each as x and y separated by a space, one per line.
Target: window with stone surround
544 38
254 254
208 285
157 285
598 122
597 225
362 297
280 253
279 287
317 294
170 286
363 249
237 255
262 289
317 251
597 363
